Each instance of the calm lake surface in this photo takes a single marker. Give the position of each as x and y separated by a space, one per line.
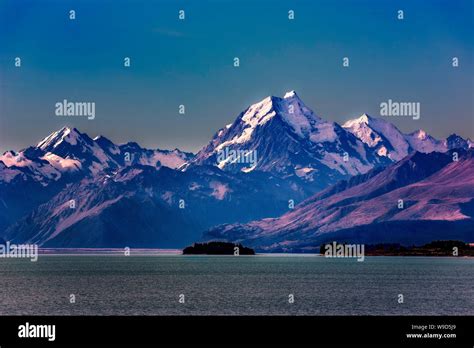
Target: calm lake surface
228 285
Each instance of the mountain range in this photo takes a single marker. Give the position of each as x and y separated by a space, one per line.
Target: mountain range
126 195
421 198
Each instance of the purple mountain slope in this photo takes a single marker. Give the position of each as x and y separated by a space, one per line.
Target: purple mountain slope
432 189
144 206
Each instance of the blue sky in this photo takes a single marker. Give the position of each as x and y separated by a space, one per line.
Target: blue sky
190 62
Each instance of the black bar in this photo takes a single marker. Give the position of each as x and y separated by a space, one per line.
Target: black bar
237 330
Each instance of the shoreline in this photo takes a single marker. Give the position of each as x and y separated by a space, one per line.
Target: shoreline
179 252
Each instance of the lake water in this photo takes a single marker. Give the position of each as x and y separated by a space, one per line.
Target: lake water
244 285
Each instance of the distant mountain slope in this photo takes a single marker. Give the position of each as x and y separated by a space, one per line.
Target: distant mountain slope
143 206
423 142
387 140
35 174
70 151
380 135
432 186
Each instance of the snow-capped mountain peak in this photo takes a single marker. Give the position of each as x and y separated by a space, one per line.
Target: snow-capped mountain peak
419 134
259 113
387 140
291 95
304 122
363 119
68 151
421 141
290 109
69 143
380 135
288 139
65 134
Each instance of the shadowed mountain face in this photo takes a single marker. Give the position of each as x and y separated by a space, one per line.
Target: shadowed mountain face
276 153
421 197
141 206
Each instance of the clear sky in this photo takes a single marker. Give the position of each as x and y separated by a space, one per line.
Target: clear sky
190 62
